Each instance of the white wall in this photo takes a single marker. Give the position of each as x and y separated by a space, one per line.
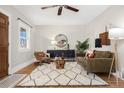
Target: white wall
115 16
16 58
44 35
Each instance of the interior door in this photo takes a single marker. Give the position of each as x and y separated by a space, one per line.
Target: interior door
3 45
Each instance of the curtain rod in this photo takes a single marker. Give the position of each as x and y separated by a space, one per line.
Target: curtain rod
24 22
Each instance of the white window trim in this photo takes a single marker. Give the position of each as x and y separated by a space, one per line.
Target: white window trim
28 29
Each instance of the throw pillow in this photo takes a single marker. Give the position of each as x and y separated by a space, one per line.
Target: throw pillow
90 54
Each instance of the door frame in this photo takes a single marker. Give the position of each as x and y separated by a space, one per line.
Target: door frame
9 39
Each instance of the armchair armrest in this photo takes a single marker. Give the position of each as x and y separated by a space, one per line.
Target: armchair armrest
47 55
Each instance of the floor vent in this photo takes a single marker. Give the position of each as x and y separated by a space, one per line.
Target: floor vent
11 80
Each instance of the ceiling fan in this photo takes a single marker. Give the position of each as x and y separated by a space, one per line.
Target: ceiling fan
61 8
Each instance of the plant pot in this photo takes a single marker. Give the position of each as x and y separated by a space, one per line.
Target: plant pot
80 54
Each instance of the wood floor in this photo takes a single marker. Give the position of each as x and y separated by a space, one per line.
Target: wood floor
112 81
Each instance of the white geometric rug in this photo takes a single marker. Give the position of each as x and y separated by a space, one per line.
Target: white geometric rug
72 74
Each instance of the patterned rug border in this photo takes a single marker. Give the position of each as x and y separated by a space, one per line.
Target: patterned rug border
62 86
59 86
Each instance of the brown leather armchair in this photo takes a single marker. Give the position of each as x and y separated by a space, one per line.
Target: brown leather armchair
41 57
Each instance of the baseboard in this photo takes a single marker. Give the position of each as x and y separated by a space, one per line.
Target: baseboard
20 66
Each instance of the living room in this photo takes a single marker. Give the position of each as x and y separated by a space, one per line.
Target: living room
45 25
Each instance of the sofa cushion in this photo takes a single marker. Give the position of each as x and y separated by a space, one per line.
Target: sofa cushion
102 54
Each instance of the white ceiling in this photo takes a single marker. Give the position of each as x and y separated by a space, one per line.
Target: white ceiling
49 16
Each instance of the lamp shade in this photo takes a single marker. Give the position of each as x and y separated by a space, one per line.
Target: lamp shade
116 33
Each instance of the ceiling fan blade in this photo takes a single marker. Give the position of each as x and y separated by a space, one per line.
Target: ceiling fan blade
49 6
60 10
71 8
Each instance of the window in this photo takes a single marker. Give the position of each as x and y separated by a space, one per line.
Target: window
24 36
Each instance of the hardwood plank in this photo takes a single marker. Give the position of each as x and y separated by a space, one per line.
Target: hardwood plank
27 70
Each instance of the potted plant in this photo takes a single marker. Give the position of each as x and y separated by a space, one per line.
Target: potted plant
82 47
